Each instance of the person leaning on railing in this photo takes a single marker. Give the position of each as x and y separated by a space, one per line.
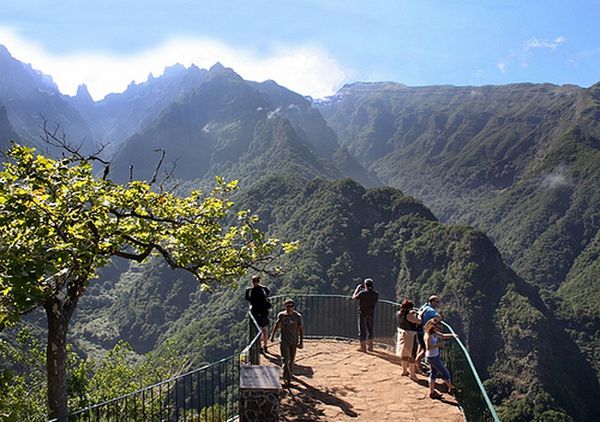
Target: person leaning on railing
426 312
433 344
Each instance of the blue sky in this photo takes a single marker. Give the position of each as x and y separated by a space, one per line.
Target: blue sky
311 46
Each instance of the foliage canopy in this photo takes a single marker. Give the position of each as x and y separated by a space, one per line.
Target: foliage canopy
59 223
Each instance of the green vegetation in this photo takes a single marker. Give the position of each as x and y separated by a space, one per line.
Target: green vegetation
347 233
23 385
59 224
520 162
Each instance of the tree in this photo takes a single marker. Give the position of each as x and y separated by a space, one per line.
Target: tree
23 385
59 224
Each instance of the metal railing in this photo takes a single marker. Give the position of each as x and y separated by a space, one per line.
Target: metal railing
211 393
335 316
207 394
471 394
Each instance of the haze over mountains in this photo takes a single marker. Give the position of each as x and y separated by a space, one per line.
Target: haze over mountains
521 163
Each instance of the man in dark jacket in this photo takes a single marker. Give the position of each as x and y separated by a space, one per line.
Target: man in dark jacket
367 299
258 295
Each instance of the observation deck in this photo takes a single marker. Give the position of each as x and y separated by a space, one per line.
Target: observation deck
333 380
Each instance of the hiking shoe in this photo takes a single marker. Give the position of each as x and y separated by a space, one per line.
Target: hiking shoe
435 395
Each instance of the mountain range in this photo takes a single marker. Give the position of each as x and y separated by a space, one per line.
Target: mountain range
486 195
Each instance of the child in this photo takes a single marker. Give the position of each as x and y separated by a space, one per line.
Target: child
433 345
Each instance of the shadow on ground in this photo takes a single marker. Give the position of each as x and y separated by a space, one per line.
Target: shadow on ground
302 401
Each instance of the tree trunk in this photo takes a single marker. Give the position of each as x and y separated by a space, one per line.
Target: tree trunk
56 359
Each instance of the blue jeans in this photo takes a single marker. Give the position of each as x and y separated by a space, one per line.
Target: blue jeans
438 369
365 327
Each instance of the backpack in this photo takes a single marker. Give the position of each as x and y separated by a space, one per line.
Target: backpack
268 303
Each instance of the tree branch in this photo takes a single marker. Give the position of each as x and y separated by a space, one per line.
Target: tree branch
158 165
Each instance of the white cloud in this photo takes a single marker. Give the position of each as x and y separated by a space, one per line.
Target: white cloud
274 113
552 45
502 66
583 56
307 70
556 179
523 55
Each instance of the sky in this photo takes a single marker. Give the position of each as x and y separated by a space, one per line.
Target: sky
313 47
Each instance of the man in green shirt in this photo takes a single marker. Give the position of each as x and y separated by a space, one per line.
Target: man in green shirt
292 336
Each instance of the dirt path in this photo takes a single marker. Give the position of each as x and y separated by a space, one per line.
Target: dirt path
336 382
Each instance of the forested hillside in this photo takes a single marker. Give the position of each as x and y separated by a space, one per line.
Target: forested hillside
7 132
348 233
520 162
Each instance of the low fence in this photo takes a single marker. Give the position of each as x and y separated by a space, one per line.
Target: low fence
207 394
211 393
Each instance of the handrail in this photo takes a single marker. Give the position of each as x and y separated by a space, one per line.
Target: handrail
241 357
475 373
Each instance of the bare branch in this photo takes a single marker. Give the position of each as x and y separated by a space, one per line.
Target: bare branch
163 153
57 139
168 176
53 138
134 257
151 217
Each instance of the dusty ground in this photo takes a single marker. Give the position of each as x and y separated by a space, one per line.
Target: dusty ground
336 382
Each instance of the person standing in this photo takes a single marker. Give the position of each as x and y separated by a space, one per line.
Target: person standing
367 299
433 342
426 312
291 338
408 324
258 296
429 310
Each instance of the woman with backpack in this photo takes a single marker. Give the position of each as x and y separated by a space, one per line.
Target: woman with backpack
258 296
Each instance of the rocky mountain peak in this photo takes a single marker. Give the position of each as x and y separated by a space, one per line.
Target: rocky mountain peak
175 69
83 95
4 53
217 67
218 70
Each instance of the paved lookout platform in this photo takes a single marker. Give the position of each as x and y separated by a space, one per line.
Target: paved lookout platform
336 382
